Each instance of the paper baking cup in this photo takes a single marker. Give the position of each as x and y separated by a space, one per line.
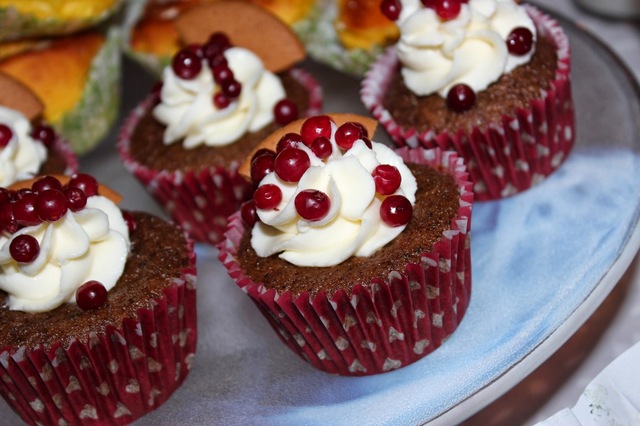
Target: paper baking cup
506 157
199 201
112 377
394 321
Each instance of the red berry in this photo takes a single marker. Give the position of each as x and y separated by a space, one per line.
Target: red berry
319 125
195 48
261 165
220 101
186 64
217 43
76 198
387 179
285 111
216 61
24 248
288 140
391 9
267 196
6 134
321 147
85 182
44 133
91 295
24 210
461 98
46 182
231 88
312 204
447 9
5 195
248 213
221 73
396 210
347 134
520 41
130 220
51 205
290 164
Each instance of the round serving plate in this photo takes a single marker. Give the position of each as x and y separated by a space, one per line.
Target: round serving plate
543 261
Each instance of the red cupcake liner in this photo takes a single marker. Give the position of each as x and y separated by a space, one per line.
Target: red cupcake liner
506 157
62 147
113 377
200 201
394 321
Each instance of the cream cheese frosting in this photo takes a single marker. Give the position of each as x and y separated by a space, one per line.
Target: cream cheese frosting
352 227
188 111
23 156
470 49
91 244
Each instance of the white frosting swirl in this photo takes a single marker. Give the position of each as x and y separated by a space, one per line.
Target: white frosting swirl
188 111
469 49
91 244
23 156
352 227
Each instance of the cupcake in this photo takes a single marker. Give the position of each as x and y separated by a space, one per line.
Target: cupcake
28 145
221 96
68 53
97 306
357 255
490 79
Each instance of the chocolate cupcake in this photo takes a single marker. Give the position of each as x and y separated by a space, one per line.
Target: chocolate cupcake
488 79
357 255
98 314
217 101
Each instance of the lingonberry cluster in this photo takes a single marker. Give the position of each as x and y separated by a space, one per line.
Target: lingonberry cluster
187 64
289 162
41 132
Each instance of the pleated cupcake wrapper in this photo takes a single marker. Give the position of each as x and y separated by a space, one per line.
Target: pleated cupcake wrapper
509 156
391 323
114 377
201 200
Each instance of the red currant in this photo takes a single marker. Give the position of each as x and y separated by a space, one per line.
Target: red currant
248 213
231 88
186 64
347 134
195 48
46 182
261 165
91 295
24 210
267 196
130 220
396 210
391 9
85 182
387 179
520 41
76 198
216 61
6 134
217 43
220 101
51 205
285 111
461 98
319 125
321 147
312 205
447 9
5 195
24 248
221 73
44 133
288 140
290 164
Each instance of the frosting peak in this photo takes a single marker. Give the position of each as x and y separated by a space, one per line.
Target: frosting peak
437 54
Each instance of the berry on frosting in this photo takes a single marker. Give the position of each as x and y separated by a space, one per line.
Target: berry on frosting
347 134
261 165
267 197
321 147
291 163
248 213
319 125
391 9
312 204
6 134
387 179
520 41
186 64
288 140
24 248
